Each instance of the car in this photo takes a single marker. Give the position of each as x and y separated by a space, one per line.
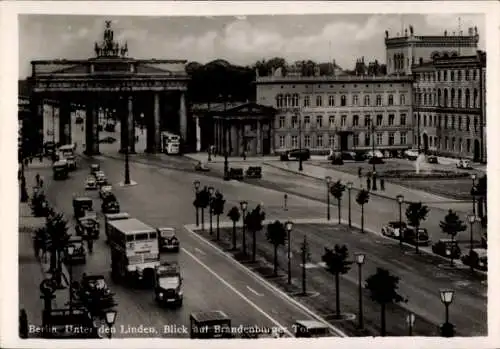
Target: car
376 160
93 293
49 148
432 159
393 229
90 183
108 139
71 160
349 155
410 236
477 258
168 284
110 206
201 167
81 205
254 172
464 164
311 329
235 173
104 190
377 153
167 240
60 170
79 254
88 226
94 168
411 154
101 178
447 248
304 154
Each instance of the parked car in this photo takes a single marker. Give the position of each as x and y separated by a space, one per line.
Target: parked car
78 255
201 167
464 164
304 154
411 154
447 248
410 236
432 159
393 229
90 183
477 258
236 173
254 172
110 206
377 153
104 190
94 168
101 178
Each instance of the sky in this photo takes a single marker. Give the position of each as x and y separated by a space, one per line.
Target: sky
240 40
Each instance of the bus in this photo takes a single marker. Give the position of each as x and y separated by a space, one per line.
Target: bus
134 250
170 143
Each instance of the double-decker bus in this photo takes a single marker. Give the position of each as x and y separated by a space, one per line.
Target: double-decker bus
134 250
170 143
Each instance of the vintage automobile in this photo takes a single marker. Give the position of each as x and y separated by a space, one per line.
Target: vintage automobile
377 153
254 172
297 154
168 284
464 164
62 323
88 226
167 240
393 229
201 167
49 148
411 154
79 255
94 168
477 258
432 159
311 329
410 236
104 190
90 183
210 324
93 294
101 178
71 159
110 206
447 248
81 204
236 173
60 170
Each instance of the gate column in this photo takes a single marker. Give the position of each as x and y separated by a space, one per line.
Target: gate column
65 123
131 125
183 118
156 134
91 130
122 112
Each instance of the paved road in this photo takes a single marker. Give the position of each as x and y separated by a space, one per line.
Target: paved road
163 198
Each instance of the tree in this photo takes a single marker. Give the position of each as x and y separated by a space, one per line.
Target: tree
218 208
276 235
234 215
306 256
452 225
362 198
57 237
383 289
337 190
416 213
253 222
337 263
202 201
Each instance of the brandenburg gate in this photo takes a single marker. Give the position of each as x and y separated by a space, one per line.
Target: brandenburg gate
111 80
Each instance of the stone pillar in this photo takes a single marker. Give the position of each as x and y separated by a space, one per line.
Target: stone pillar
183 118
122 112
259 138
229 130
272 141
91 132
154 131
65 123
130 125
198 134
239 142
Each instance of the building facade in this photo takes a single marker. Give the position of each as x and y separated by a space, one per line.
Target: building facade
450 101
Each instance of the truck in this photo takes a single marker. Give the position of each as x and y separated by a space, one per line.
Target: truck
168 284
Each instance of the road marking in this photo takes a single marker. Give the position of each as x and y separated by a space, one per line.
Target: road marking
199 251
231 287
254 292
268 285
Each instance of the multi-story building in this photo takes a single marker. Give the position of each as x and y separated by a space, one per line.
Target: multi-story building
449 108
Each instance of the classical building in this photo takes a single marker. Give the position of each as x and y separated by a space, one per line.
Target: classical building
111 80
449 110
340 112
405 50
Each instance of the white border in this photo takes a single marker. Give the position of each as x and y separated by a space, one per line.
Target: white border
8 182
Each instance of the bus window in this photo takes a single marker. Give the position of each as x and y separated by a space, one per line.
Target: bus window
152 236
130 238
142 236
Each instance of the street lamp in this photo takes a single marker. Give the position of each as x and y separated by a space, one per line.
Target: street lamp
400 199
210 205
69 250
289 227
447 299
110 320
471 218
285 201
473 192
244 206
360 260
349 188
328 180
410 321
196 190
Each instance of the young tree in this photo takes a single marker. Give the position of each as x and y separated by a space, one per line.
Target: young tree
306 256
253 222
337 263
416 213
218 209
362 198
383 289
57 239
337 190
276 235
234 215
202 200
452 225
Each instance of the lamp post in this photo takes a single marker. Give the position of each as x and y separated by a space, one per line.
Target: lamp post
289 227
471 218
410 321
210 204
328 180
301 168
197 190
360 260
473 193
110 320
69 250
243 206
127 150
285 201
400 199
349 188
447 299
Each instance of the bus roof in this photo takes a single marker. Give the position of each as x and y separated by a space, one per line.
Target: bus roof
131 226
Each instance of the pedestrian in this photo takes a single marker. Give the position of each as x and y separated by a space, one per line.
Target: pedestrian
244 155
37 179
40 157
90 243
382 184
360 172
368 183
41 183
23 324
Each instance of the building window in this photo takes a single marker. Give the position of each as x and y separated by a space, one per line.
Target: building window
391 119
288 100
445 143
460 145
319 101
445 126
425 120
331 120
355 139
445 75
467 124
402 119
379 138
459 75
282 122
343 120
391 138
355 100
439 97
331 101
367 100
466 75
295 121
342 101
367 120
459 123
402 99
331 141
307 121
279 101
379 120
295 100
425 98
467 98
295 142
468 145
459 98
390 100
319 121
453 144
475 123
282 142
452 75
439 76
355 120
446 97
474 74
367 139
307 101
378 100
452 97
453 122
476 104
319 141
